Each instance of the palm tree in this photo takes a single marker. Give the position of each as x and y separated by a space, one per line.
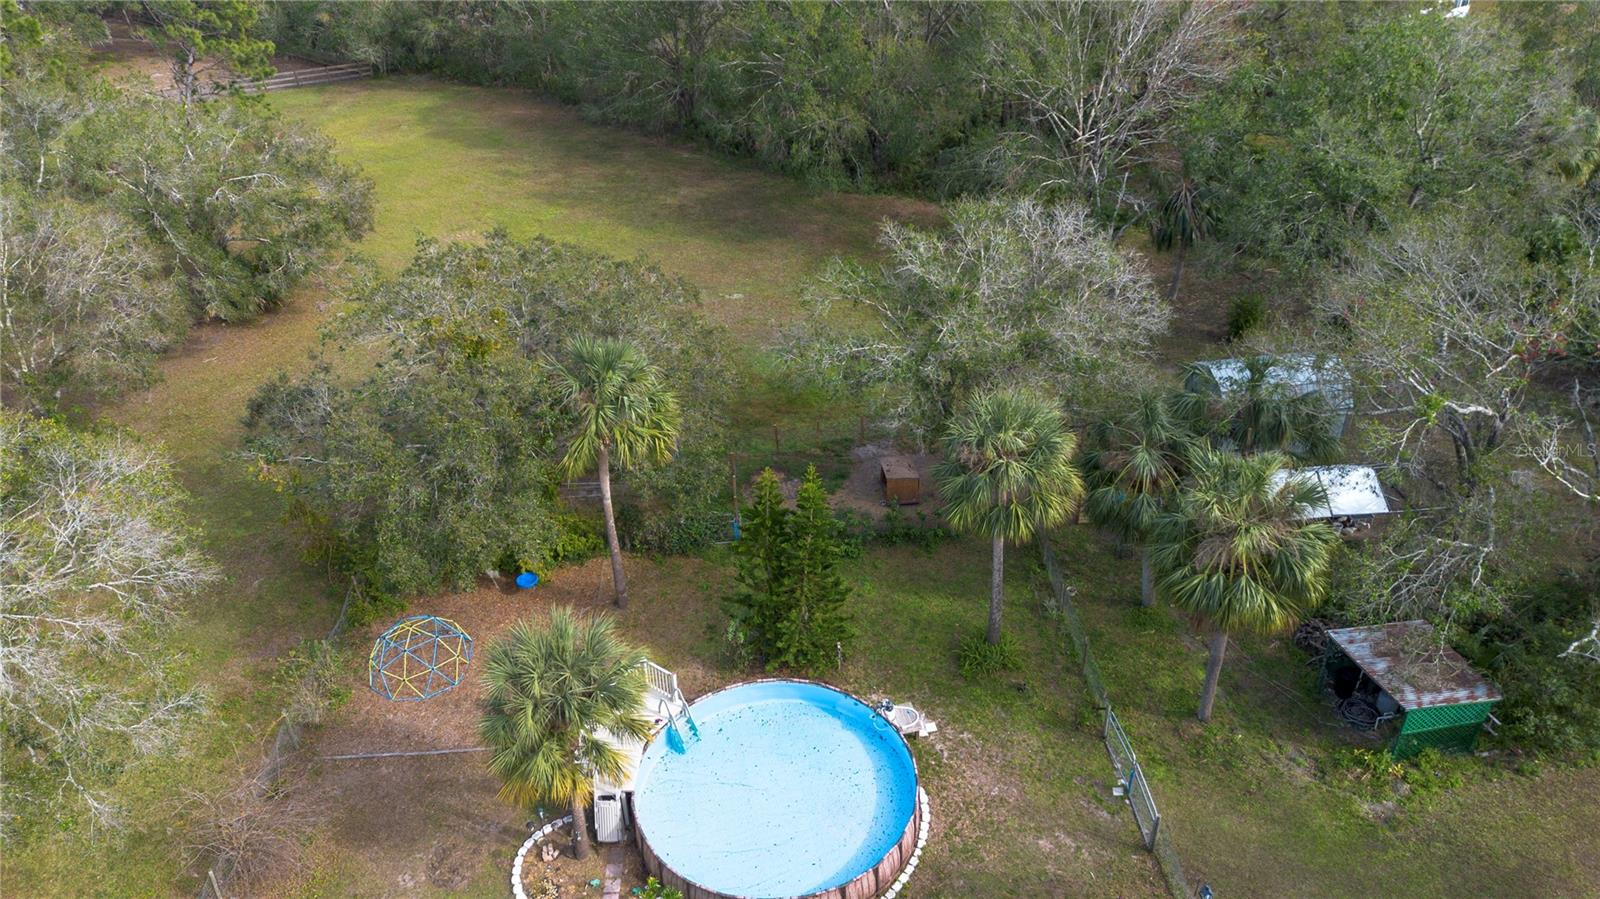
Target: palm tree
1259 412
1007 473
625 416
1237 552
1132 466
550 689
1182 221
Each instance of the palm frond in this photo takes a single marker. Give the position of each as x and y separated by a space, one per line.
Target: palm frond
548 689
621 403
1008 467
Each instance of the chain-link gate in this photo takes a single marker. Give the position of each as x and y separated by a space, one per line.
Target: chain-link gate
1131 781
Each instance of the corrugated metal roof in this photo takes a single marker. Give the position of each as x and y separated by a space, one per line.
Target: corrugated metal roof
1353 490
1301 373
1406 660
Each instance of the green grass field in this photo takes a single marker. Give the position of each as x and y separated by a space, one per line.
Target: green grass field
450 162
1022 797
1258 802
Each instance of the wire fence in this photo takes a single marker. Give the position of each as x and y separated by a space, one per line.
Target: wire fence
1131 782
285 742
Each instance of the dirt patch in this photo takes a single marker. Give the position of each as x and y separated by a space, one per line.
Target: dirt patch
566 876
862 491
425 823
129 56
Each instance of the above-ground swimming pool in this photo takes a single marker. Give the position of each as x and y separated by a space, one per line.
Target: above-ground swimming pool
789 788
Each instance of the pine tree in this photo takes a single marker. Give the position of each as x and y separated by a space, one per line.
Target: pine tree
812 620
763 559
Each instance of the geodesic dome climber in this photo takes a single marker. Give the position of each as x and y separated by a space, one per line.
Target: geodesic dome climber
418 658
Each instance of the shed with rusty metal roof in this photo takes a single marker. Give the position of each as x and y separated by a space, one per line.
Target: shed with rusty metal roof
1441 700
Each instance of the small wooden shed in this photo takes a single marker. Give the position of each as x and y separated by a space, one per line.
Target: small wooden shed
1441 701
901 483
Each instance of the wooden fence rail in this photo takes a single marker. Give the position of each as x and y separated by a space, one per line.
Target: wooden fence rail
348 71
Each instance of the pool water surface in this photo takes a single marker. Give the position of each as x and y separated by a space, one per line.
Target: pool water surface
789 788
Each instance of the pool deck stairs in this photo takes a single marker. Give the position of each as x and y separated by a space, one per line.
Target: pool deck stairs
664 704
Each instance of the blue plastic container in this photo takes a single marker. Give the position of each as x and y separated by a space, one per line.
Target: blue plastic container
527 580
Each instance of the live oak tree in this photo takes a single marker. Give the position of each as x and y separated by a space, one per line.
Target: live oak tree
424 474
237 205
86 307
1007 474
96 555
441 462
1013 291
243 203
623 414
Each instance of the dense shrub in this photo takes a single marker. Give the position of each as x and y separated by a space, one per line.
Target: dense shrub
1552 697
978 658
441 463
1246 313
682 506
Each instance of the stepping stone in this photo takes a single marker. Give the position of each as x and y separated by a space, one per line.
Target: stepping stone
613 882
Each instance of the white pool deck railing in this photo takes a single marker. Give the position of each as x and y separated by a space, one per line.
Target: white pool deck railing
663 702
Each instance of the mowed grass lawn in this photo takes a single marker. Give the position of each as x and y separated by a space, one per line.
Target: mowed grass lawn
1257 801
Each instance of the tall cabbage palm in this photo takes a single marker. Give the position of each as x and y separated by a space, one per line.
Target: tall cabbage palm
550 688
1259 413
1008 471
1236 552
1132 465
625 415
1182 220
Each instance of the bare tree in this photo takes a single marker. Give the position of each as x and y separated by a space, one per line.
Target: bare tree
1012 292
85 307
1096 84
247 832
1447 326
93 553
1435 564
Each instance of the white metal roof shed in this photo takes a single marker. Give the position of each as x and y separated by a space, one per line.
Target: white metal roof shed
1353 490
1301 373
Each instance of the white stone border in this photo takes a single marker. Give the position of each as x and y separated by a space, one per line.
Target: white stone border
916 854
517 892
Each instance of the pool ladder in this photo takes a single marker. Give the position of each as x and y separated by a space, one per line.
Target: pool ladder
689 727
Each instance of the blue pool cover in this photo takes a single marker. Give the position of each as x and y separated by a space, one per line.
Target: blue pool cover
789 788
